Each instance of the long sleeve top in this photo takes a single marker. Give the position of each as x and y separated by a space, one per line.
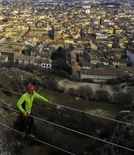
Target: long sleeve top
28 99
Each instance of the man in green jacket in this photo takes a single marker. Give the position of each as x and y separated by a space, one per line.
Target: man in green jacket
24 104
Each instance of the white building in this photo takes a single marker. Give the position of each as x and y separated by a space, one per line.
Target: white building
47 64
23 59
100 75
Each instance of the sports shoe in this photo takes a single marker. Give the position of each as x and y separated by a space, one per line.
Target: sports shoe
31 136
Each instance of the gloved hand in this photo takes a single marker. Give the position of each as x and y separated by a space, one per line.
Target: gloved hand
49 102
25 114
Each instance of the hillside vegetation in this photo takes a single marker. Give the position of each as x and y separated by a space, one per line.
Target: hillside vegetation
16 80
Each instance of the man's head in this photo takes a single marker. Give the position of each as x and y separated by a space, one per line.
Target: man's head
30 89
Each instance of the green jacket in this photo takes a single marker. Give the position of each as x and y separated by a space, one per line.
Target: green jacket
28 101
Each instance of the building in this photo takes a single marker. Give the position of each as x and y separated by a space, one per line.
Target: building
119 63
7 54
23 59
47 64
100 75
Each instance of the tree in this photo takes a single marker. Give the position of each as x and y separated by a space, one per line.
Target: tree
102 95
59 60
52 84
122 98
72 91
58 54
85 92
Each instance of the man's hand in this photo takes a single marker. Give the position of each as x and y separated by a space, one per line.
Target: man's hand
49 102
25 114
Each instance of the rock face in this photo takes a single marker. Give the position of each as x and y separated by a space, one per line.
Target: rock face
4 145
11 143
15 72
123 134
15 78
12 79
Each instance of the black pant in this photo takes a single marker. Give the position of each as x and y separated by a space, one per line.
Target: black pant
26 123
